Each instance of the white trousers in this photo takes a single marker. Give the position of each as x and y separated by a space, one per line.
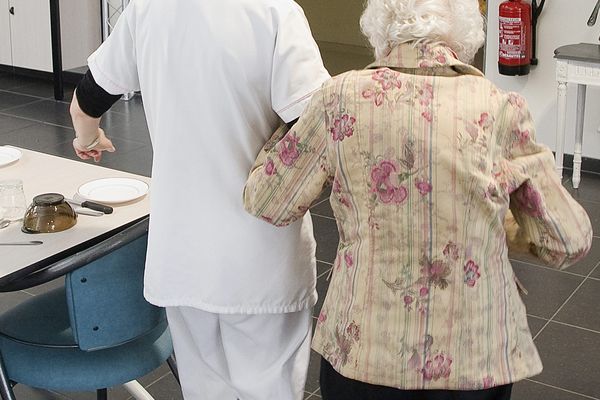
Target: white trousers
245 357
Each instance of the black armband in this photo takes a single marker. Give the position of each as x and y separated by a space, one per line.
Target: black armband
92 99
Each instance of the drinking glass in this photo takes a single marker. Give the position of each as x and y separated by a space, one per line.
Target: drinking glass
12 199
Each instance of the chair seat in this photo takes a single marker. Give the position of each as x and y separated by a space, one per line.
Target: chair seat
35 337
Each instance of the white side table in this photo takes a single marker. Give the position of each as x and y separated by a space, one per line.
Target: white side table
580 64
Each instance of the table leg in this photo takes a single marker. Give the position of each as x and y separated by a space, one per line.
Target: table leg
581 91
561 126
6 392
57 64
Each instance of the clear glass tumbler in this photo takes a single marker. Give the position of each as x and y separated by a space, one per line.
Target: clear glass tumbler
12 200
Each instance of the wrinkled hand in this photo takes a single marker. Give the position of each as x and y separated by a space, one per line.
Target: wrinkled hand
96 153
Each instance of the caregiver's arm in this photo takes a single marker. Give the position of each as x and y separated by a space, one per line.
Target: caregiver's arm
290 173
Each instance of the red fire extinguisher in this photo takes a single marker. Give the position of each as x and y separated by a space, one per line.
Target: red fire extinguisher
517 36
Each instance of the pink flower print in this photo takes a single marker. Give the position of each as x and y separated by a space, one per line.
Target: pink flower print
344 201
485 121
382 185
437 269
434 272
516 100
382 171
437 367
423 291
395 195
377 96
491 192
423 187
270 167
408 300
427 115
343 126
389 194
288 149
336 186
522 137
414 362
441 58
488 382
348 259
425 94
451 251
353 331
471 273
529 200
267 219
472 130
387 78
322 317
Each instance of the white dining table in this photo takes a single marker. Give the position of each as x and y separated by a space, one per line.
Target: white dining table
43 173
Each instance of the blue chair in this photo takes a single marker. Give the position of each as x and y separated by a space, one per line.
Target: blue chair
96 331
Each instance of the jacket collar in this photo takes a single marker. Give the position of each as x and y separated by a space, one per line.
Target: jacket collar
412 56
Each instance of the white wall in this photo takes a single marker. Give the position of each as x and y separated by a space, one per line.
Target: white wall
562 22
81 32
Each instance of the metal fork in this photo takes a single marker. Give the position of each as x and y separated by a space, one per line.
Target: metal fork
29 243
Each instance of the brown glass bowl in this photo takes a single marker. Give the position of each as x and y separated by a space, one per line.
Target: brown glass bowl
49 213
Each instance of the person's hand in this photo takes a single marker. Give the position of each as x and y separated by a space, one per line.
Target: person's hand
104 144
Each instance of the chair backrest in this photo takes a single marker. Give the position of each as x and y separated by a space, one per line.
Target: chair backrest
106 302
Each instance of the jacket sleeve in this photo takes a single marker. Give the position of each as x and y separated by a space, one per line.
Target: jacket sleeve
290 173
558 227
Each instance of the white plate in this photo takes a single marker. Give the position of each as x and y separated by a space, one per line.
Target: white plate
113 190
8 155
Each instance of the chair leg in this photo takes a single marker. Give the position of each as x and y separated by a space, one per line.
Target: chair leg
173 365
102 394
6 392
137 391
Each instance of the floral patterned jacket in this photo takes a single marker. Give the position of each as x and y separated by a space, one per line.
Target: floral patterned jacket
426 157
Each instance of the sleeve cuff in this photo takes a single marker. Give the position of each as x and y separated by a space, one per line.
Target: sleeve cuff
104 81
295 109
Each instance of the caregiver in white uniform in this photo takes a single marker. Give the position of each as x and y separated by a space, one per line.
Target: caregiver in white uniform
217 78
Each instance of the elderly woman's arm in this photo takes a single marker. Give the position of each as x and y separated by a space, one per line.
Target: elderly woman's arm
558 227
290 173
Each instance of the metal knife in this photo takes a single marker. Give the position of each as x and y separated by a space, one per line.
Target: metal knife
87 211
91 205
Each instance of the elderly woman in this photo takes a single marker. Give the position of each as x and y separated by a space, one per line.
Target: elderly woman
426 158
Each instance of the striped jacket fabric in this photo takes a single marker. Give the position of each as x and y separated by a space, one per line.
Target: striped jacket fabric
425 157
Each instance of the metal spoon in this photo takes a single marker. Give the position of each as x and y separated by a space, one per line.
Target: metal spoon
29 243
4 223
594 16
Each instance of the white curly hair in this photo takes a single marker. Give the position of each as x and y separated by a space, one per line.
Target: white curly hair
456 23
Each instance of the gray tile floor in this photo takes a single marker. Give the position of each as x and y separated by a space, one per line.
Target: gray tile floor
562 305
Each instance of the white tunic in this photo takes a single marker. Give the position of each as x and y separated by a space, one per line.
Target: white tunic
216 77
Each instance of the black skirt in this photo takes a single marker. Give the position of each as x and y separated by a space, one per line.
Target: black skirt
337 387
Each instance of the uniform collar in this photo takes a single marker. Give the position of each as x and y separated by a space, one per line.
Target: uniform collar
411 56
